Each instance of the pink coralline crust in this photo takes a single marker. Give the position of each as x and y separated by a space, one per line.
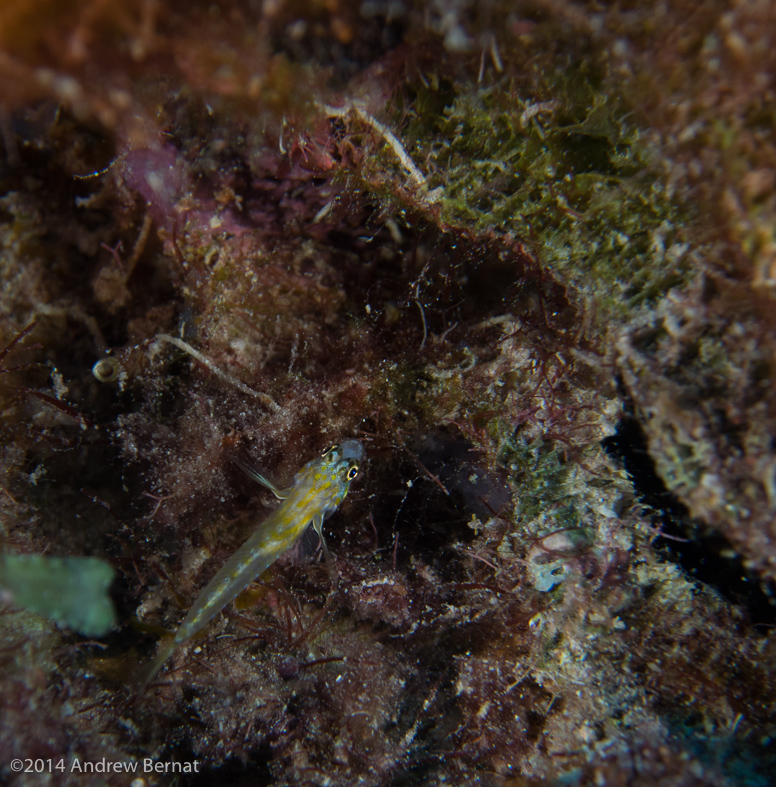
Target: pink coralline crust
161 177
278 192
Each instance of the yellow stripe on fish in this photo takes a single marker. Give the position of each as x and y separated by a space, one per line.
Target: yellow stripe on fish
317 491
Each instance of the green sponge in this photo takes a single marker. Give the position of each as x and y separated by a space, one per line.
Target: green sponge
73 591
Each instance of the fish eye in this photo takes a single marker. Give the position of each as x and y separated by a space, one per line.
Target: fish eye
330 449
352 472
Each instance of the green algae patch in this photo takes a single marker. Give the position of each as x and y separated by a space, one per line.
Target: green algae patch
563 167
72 591
545 481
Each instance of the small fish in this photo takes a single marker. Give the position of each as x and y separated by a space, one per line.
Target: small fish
317 492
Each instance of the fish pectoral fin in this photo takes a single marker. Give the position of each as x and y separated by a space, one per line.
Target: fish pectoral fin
318 525
280 494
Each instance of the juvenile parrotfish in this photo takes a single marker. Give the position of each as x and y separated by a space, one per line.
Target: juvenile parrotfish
317 491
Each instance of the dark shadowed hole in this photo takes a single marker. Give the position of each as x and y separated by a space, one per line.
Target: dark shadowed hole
702 555
439 482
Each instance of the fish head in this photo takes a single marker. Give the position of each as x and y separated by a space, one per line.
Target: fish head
334 470
343 460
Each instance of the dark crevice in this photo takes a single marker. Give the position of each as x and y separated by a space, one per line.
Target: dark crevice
703 555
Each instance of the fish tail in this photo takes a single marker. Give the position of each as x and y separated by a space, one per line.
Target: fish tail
150 672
